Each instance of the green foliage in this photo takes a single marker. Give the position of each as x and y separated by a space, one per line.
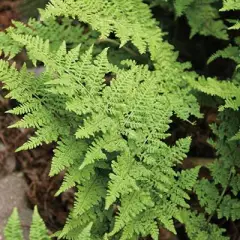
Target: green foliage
13 228
227 90
110 16
215 199
38 230
198 228
202 15
229 5
111 118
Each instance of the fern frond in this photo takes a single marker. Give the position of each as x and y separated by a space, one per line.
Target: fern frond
182 6
122 181
67 152
229 208
8 47
89 194
86 233
97 14
13 228
230 52
236 25
142 225
131 206
208 195
229 5
235 184
38 229
75 226
204 19
207 231
226 90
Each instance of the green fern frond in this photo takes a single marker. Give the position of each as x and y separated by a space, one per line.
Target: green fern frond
111 122
204 19
67 152
229 5
75 176
96 13
122 181
226 90
38 230
207 231
86 233
235 184
229 208
230 52
89 194
13 228
8 47
182 6
208 195
236 25
131 206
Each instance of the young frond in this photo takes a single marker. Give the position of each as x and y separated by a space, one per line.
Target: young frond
38 229
13 228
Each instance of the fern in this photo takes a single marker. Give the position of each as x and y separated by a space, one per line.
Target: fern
119 112
13 228
205 232
215 200
202 16
230 5
111 121
102 16
37 231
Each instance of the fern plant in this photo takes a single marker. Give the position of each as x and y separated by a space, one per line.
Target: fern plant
202 15
13 229
219 197
227 90
110 119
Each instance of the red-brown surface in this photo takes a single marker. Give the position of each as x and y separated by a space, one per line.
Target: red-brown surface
8 11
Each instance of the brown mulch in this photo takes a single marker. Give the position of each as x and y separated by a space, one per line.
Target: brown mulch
8 12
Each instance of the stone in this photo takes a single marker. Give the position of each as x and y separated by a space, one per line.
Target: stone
12 194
